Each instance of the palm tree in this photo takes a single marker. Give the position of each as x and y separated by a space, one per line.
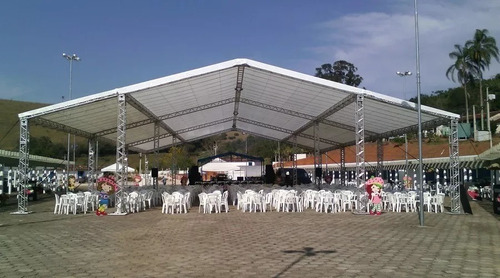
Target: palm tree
482 48
463 69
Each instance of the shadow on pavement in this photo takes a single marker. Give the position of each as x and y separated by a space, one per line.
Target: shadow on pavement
306 252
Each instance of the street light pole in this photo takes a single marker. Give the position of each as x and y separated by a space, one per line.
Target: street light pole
405 74
419 105
70 58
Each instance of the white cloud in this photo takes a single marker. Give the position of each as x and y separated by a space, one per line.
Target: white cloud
379 44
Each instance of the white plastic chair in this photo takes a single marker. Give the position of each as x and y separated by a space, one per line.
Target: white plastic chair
57 206
223 202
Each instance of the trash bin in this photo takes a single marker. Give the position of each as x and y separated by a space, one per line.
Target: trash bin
496 198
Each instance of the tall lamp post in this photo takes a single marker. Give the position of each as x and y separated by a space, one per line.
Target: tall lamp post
405 74
70 58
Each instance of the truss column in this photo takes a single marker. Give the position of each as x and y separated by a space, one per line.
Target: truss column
174 162
91 164
121 153
156 150
24 138
146 170
294 151
456 206
380 157
360 141
342 166
317 155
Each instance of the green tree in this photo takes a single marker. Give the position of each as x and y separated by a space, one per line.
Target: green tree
482 48
341 71
463 69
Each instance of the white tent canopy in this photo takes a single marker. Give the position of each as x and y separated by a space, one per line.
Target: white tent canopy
112 168
237 95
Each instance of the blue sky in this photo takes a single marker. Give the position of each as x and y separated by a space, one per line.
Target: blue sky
126 42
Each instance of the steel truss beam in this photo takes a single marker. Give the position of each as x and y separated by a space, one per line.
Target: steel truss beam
61 127
407 106
456 206
380 157
238 89
330 111
143 109
287 131
65 106
171 115
360 141
121 153
400 131
91 164
300 115
342 166
24 139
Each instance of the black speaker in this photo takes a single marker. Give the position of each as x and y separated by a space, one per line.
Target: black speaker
270 176
318 172
194 175
154 172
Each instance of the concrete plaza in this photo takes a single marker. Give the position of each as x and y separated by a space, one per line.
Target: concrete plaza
237 244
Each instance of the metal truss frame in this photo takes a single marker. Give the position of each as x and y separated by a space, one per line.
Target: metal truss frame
91 164
295 181
456 206
173 170
287 131
342 166
237 94
380 157
67 129
360 141
156 150
171 115
317 154
144 110
146 170
24 139
300 115
330 111
121 153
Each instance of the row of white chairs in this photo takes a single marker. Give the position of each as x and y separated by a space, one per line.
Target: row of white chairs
213 202
177 202
74 202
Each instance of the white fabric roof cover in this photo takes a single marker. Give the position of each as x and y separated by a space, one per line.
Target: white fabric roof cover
112 168
240 95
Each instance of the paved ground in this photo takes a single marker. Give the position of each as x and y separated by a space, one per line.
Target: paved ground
236 244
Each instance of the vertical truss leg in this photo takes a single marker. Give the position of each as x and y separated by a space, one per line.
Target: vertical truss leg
280 163
342 167
121 155
380 157
174 162
456 206
156 146
22 197
360 141
91 165
146 171
294 182
317 155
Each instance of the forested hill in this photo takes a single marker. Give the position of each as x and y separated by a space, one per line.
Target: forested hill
453 99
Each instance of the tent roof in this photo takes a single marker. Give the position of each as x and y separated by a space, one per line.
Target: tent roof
112 168
231 154
241 95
